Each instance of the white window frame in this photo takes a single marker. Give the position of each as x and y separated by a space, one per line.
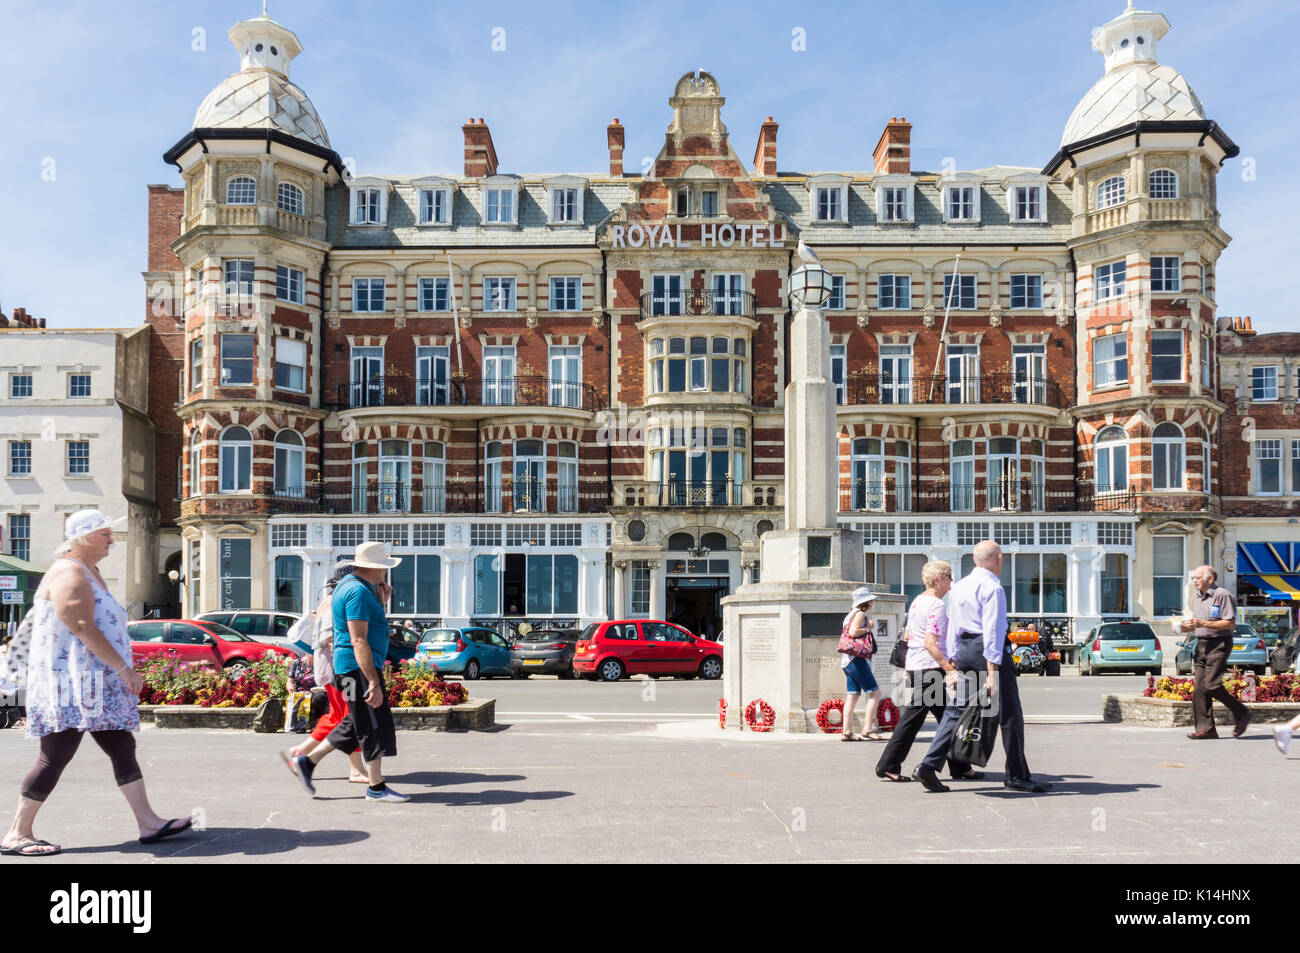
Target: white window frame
369 202
564 363
1106 449
499 290
76 377
244 282
291 458
1274 447
285 350
1018 205
435 206
887 189
368 298
290 198
839 365
958 185
570 287
836 300
494 211
25 471
1027 283
1295 466
828 203
294 283
82 461
433 375
1262 394
1110 192
1112 379
432 284
1151 184
1174 448
13 386
900 292
1171 279
1104 280
230 183
561 208
960 296
668 297
1166 334
222 467
897 360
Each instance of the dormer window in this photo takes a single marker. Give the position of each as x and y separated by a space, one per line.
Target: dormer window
241 190
434 206
894 199
369 204
830 198
698 193
961 200
1026 197
1111 192
499 200
564 206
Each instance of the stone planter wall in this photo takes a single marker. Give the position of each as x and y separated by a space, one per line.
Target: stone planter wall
1167 713
478 714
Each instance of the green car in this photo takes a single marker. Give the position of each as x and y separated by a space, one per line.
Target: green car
1120 646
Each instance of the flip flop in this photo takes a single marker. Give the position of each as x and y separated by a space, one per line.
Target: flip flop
20 850
352 780
874 736
167 830
287 758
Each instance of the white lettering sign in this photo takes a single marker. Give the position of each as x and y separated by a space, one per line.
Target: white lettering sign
711 236
8 582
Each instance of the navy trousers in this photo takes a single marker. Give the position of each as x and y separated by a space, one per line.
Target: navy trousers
1011 724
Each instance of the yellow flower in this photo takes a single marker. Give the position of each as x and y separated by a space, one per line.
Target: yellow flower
228 703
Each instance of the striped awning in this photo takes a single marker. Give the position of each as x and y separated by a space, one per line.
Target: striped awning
1273 568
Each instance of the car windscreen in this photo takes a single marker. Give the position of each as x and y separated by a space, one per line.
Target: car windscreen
1245 632
226 633
439 635
1126 631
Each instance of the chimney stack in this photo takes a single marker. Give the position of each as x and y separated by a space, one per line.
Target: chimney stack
765 151
614 135
893 152
480 154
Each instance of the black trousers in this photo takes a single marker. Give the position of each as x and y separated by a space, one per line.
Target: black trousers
370 729
57 750
1011 722
1209 663
926 694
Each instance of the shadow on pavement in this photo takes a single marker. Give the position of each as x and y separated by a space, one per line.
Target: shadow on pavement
436 778
225 841
484 798
1070 784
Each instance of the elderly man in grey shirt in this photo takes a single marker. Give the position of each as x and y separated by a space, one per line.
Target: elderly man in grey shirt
977 642
1214 618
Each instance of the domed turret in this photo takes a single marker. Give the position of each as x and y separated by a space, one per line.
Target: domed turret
260 95
1135 87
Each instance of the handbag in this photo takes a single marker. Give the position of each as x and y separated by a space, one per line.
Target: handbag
863 647
976 733
13 673
898 657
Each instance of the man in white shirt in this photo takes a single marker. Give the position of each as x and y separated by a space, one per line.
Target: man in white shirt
977 642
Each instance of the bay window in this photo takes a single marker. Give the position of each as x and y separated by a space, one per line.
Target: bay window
1167 457
1109 361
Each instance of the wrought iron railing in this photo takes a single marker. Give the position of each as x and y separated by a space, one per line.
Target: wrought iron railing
985 389
683 493
697 303
982 496
434 498
523 391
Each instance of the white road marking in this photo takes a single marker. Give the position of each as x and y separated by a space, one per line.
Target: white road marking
578 717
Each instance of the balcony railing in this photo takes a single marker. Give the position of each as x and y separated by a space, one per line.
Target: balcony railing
986 389
529 391
407 498
697 304
1007 496
682 493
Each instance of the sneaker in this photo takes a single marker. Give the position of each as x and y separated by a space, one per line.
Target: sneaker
387 794
303 767
1282 738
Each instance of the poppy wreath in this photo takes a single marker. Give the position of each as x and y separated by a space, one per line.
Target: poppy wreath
824 715
722 713
759 715
887 715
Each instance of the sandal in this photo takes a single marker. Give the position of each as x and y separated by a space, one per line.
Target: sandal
874 736
896 778
168 830
353 779
25 849
850 736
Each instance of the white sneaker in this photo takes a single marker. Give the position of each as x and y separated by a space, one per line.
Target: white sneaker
1282 738
387 794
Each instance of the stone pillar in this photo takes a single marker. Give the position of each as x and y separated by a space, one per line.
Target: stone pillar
810 499
657 607
619 609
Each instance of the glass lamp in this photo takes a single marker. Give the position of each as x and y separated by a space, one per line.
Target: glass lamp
810 286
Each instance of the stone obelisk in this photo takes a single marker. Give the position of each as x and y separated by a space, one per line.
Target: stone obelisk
780 632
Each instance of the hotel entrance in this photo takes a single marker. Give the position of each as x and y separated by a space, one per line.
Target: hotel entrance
695 602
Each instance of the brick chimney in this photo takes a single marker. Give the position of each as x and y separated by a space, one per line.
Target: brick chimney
614 135
765 151
480 154
894 150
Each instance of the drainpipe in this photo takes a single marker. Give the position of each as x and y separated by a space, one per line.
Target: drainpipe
320 379
609 376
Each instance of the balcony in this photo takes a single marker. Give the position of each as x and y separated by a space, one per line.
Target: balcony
384 499
697 304
448 395
949 392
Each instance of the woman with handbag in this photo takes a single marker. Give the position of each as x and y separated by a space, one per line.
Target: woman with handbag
925 665
857 645
76 669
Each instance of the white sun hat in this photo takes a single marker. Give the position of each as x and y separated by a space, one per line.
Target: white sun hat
83 523
862 595
374 556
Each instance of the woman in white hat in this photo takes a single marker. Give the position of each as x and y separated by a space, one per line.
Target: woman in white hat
857 671
79 679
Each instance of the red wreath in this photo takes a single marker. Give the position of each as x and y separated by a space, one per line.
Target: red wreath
887 715
722 713
824 715
763 722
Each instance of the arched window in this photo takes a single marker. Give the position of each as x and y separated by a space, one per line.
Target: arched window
196 463
1162 184
394 476
1004 473
681 541
289 198
236 460
529 484
290 464
1110 456
963 476
1167 452
566 478
241 190
1110 192
714 542
435 477
492 476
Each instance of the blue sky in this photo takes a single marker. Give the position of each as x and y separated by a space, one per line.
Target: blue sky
92 94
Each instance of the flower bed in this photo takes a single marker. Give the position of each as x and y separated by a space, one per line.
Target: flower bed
170 681
1270 688
414 686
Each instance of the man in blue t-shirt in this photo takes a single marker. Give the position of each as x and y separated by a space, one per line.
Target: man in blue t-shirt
360 647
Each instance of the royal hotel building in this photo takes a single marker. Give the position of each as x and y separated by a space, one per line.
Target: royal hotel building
559 396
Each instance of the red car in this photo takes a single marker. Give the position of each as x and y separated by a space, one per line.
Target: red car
611 650
197 641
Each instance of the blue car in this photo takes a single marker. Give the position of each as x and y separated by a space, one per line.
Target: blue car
1249 651
1120 646
471 652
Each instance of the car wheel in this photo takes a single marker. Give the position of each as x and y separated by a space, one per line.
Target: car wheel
519 675
471 670
711 668
1053 667
611 670
568 674
1083 668
1260 670
235 668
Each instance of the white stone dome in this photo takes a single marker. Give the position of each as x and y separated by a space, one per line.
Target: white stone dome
1132 93
261 99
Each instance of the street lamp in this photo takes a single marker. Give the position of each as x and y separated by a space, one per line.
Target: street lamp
810 286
